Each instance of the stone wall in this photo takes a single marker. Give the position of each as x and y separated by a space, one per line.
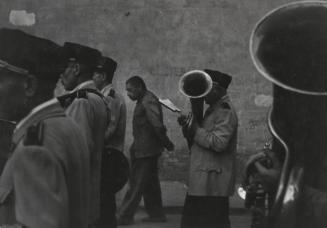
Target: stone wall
160 40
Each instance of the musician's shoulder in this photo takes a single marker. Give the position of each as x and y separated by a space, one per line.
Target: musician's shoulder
34 135
67 99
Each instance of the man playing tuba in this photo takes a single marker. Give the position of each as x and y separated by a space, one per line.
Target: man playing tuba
212 164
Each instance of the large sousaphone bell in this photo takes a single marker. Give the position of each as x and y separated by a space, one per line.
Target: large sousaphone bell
289 47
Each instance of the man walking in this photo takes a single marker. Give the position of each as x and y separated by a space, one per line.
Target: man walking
212 164
150 139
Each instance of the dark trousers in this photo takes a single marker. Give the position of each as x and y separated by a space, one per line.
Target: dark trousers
205 212
107 194
144 181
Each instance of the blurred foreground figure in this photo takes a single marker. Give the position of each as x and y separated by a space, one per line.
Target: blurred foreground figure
212 164
288 47
43 182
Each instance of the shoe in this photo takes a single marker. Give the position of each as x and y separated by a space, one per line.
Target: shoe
155 219
125 221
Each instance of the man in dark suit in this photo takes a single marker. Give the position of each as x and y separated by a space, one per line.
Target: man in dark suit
150 139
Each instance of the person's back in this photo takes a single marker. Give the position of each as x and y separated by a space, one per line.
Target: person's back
64 140
64 137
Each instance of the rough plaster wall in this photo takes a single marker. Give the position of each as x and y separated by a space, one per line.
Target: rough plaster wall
160 40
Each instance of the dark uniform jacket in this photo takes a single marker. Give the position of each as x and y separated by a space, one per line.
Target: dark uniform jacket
43 184
149 131
212 168
92 116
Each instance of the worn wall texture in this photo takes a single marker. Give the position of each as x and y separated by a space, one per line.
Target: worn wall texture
160 40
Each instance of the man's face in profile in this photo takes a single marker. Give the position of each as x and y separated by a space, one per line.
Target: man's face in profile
99 79
69 76
132 92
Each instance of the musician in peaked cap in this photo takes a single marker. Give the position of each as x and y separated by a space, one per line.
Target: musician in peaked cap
43 182
114 170
212 162
86 105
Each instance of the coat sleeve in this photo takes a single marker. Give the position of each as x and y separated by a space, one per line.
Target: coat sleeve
218 138
153 113
41 198
80 111
115 105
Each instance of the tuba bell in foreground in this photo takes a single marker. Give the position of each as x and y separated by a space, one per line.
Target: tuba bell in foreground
289 47
195 85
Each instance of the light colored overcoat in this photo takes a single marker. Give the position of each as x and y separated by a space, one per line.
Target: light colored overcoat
212 163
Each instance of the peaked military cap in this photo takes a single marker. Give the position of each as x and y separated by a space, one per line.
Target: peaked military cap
221 78
85 55
27 54
107 65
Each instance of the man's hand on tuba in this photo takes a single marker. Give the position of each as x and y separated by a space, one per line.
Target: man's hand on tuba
189 126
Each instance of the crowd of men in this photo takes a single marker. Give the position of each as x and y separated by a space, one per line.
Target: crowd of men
62 170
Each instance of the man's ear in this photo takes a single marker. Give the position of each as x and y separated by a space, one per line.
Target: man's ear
103 76
30 85
76 68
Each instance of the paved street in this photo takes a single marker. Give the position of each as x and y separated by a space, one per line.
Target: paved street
173 194
237 221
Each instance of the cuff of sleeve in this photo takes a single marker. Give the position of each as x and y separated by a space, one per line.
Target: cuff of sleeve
200 136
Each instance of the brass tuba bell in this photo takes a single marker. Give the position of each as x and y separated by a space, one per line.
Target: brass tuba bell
288 46
195 84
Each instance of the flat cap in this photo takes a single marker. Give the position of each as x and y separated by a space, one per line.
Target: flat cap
83 54
25 53
222 79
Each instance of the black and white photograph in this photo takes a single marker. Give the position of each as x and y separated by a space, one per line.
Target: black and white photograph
163 114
